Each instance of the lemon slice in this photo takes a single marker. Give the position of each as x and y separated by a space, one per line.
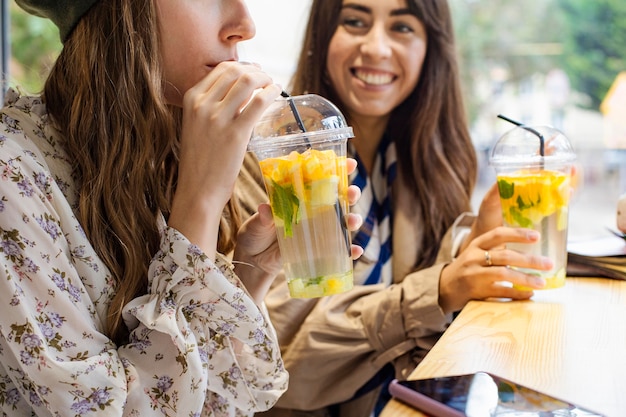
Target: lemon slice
324 191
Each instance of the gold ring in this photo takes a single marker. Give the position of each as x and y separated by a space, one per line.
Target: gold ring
488 258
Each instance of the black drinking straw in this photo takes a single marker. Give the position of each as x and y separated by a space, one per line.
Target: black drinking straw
531 130
294 110
544 225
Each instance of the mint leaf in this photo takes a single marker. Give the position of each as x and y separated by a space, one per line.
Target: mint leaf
506 189
315 281
519 218
522 205
285 205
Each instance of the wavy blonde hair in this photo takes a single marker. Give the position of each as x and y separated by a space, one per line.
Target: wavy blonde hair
106 95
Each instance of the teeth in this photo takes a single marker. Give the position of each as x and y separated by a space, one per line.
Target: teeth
374 79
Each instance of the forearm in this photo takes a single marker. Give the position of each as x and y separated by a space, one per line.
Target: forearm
213 326
256 280
198 221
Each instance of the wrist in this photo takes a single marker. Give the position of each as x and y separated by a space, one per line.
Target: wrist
198 222
256 280
448 296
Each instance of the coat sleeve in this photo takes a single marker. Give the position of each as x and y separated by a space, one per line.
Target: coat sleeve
347 338
216 345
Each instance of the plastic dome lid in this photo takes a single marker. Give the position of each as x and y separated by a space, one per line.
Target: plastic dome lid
526 146
320 121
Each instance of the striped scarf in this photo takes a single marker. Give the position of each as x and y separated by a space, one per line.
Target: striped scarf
374 266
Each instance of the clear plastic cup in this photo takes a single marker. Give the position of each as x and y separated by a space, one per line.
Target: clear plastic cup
533 168
301 145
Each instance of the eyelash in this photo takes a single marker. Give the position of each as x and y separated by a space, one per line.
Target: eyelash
358 23
352 22
401 27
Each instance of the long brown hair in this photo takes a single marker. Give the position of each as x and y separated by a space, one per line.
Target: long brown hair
436 157
105 93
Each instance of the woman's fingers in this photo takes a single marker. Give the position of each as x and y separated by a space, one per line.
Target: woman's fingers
354 194
488 269
219 113
258 103
354 221
351 165
497 282
232 90
356 252
500 236
221 79
503 291
508 257
510 275
491 254
265 214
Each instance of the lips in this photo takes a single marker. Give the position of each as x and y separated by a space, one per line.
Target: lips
214 64
375 78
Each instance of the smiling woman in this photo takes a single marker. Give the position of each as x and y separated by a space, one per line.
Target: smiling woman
391 68
374 60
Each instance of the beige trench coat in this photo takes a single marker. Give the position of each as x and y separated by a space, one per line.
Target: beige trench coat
333 345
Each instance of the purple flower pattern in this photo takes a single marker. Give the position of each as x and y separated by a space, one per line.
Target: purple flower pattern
198 346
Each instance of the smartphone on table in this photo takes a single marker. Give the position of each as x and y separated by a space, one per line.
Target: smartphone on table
481 394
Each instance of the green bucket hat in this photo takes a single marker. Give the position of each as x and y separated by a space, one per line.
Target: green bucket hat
63 13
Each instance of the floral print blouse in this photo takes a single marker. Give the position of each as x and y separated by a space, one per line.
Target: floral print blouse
199 345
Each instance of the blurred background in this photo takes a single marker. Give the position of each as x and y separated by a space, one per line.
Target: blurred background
543 62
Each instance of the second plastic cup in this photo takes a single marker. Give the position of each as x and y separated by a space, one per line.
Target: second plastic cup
301 144
533 167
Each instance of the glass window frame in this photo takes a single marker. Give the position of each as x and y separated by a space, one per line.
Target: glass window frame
5 46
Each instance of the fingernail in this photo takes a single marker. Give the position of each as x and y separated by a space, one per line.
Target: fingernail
539 281
548 263
254 64
533 235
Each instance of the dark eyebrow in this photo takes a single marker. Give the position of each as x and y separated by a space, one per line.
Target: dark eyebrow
357 7
364 9
400 12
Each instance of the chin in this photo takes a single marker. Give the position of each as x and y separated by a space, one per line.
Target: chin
373 111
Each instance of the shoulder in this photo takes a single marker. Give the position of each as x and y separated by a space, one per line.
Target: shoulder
23 121
29 139
20 110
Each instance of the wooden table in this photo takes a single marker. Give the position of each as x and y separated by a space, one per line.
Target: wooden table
568 342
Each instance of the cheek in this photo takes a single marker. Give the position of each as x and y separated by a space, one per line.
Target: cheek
337 54
177 72
182 53
173 62
414 63
334 45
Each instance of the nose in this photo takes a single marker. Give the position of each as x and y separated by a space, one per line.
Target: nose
376 43
238 24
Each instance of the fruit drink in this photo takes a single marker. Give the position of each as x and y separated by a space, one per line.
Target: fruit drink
308 196
539 200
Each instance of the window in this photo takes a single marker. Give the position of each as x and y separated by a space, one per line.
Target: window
4 44
29 46
540 61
